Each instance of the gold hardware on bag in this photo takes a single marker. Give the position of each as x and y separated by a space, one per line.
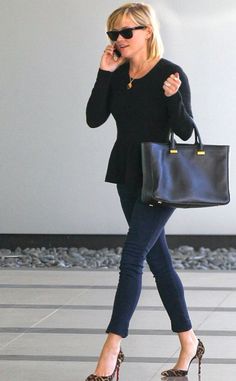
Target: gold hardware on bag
201 152
173 151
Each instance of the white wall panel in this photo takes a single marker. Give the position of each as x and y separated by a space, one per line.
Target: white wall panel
52 166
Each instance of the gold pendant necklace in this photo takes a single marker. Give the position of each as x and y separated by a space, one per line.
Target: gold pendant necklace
131 79
130 84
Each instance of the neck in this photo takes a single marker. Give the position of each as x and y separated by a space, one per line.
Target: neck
136 62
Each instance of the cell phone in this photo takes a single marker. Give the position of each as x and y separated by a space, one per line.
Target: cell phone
117 53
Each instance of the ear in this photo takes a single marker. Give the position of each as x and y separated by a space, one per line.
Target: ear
148 31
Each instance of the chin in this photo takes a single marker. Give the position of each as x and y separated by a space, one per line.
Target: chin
126 55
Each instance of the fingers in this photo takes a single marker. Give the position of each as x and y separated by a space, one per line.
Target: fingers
110 61
109 49
109 52
172 84
172 80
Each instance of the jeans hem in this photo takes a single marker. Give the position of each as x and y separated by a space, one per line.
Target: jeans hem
117 332
179 330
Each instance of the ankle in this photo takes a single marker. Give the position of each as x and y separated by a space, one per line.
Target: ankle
112 343
113 340
187 339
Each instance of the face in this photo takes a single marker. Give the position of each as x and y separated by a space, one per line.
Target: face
135 45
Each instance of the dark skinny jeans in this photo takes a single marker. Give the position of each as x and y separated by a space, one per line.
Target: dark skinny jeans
146 240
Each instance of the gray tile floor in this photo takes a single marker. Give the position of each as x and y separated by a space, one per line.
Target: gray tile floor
52 325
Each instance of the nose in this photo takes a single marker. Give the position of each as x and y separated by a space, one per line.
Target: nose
120 38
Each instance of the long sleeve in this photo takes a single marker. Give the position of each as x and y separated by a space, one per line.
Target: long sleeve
142 113
97 110
180 117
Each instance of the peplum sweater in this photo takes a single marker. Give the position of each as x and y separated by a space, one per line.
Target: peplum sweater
142 113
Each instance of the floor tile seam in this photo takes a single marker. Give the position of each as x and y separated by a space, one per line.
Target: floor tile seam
128 359
104 287
53 312
211 313
107 307
100 331
31 327
25 330
208 316
83 307
224 299
3 347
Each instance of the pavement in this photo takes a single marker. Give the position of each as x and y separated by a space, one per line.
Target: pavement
52 325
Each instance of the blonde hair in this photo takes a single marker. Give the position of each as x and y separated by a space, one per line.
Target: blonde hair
141 14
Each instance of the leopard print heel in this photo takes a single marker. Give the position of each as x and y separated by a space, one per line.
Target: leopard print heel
120 359
182 373
199 354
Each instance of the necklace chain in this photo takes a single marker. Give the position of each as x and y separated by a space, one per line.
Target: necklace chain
131 79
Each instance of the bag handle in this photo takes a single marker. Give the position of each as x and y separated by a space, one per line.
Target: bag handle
198 142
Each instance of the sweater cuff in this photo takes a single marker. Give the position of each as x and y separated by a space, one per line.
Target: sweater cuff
103 76
174 100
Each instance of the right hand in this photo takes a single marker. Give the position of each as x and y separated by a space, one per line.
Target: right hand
109 60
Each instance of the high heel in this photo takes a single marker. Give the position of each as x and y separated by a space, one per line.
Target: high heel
182 373
120 359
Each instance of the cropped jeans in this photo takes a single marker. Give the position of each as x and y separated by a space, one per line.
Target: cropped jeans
146 240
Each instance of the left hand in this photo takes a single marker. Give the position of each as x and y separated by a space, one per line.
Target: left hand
171 84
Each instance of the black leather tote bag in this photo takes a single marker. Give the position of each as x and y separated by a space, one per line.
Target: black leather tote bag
185 175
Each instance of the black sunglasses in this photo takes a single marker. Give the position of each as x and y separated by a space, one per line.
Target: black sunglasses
126 33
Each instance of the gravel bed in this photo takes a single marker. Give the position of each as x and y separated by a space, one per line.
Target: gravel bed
184 257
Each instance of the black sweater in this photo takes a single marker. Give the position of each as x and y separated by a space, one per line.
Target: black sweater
142 113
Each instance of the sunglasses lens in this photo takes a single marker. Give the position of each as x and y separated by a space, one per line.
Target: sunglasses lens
113 35
126 33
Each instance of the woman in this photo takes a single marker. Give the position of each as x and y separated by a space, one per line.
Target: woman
147 95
